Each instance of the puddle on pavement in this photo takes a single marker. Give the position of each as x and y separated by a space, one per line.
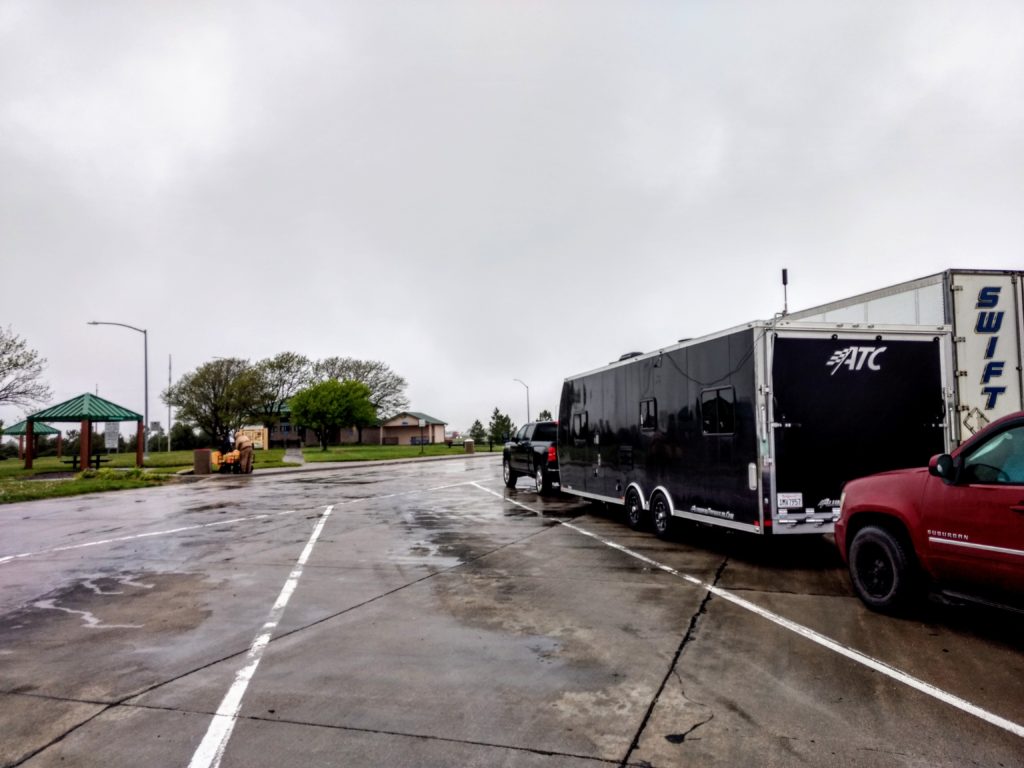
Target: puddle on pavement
166 602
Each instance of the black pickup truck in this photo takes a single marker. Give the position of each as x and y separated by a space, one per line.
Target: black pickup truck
532 452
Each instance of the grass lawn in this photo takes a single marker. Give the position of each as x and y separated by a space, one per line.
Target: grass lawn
50 477
384 452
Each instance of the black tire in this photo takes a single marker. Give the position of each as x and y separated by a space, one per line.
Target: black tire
508 474
884 576
661 515
541 480
634 509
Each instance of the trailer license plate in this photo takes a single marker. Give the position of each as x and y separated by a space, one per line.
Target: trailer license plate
790 500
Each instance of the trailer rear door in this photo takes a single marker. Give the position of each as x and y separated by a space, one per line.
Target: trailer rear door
845 406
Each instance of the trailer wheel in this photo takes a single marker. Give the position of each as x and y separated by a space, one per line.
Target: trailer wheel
634 509
883 575
661 514
508 474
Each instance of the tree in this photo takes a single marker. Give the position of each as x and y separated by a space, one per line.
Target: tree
184 437
330 405
545 415
20 371
387 388
477 433
218 396
501 427
280 378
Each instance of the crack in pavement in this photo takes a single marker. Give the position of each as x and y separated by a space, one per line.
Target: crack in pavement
672 669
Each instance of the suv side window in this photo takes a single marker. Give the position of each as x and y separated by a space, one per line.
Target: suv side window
999 461
521 434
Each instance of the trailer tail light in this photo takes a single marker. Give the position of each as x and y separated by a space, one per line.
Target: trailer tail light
552 454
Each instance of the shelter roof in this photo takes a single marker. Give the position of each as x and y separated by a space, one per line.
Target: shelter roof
37 429
87 406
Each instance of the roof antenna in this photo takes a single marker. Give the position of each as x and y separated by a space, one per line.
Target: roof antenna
785 294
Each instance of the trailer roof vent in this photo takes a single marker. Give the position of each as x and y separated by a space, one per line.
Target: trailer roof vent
629 355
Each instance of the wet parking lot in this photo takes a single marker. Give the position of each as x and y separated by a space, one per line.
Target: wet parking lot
421 614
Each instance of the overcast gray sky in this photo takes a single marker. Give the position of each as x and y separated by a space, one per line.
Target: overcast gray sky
480 191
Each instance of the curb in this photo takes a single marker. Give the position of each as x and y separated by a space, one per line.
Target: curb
326 466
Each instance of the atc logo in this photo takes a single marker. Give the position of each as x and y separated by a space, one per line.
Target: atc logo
856 359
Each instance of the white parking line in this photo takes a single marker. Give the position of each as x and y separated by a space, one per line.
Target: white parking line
165 532
198 526
806 632
211 749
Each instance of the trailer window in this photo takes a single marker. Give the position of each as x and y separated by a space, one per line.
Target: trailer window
648 415
718 411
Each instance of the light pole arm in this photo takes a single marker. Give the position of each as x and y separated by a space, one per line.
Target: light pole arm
145 373
527 397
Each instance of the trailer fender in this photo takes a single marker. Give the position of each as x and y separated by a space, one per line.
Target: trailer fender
668 497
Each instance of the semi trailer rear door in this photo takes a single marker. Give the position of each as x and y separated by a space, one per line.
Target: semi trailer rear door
846 406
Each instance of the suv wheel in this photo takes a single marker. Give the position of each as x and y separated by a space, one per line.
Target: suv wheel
508 474
883 575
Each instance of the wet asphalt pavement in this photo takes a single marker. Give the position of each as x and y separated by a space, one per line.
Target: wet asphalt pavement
421 614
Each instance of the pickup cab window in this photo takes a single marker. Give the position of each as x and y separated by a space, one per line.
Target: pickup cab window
546 432
522 433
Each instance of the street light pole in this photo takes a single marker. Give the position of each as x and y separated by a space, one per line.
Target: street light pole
527 397
145 379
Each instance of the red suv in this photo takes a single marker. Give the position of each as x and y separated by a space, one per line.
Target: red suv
957 525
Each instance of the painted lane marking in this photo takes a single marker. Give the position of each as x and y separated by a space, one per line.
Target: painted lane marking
248 518
805 632
165 532
211 749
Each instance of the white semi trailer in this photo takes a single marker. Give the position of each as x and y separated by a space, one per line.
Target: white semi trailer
985 309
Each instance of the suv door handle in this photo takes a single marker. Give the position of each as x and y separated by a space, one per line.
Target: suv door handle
1019 507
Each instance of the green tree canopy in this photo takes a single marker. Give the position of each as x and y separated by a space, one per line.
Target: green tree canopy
330 405
545 415
218 397
281 377
20 371
477 433
501 427
387 388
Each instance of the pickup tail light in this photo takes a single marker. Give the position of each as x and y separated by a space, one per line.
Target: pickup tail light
552 454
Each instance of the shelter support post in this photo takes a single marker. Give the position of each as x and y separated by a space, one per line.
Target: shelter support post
21 447
60 445
140 443
29 434
84 444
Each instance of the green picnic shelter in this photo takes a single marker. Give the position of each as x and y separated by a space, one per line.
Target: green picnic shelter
85 409
37 430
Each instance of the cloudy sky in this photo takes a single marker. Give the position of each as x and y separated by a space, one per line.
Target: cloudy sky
480 191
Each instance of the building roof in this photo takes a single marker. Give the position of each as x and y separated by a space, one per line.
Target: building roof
83 407
416 415
37 429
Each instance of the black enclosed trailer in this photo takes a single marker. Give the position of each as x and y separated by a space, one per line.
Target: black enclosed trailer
755 428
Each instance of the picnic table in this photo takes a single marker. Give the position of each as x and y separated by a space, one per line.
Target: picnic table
95 460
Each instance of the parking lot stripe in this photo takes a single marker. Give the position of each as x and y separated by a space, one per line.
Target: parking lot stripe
165 532
211 749
806 632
